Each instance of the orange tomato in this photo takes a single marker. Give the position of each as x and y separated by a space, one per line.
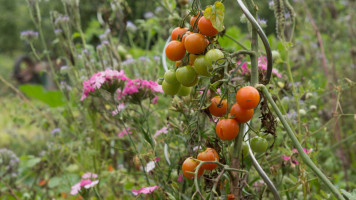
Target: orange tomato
195 43
206 28
178 63
216 109
189 166
178 32
193 19
248 97
208 155
241 115
227 129
175 50
192 58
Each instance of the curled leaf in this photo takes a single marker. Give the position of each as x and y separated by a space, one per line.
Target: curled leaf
216 15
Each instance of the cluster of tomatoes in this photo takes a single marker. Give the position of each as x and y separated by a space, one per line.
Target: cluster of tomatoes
195 57
179 81
190 164
227 128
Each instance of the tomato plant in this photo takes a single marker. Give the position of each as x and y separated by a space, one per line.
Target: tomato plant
241 115
195 43
206 27
189 165
227 129
247 97
170 89
186 75
208 154
170 77
178 33
184 91
216 108
258 144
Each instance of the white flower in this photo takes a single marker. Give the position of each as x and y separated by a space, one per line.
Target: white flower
150 166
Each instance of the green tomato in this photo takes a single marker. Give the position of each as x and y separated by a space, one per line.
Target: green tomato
192 84
186 75
170 77
245 149
213 55
201 67
258 144
170 89
184 91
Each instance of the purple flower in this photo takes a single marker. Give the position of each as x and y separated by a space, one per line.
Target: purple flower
128 61
56 130
58 31
148 15
29 35
124 132
130 26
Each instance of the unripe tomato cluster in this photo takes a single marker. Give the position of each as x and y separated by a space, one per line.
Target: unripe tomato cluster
192 45
190 164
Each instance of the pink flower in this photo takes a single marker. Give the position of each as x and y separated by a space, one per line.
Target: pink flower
286 158
163 130
75 189
89 175
124 132
86 182
155 99
92 184
120 107
108 80
157 159
262 64
180 178
144 190
304 149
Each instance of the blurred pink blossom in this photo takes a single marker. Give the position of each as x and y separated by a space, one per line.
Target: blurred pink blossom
86 182
124 132
304 149
180 178
144 190
120 107
262 64
163 130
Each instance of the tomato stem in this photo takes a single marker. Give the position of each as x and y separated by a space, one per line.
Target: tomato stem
299 147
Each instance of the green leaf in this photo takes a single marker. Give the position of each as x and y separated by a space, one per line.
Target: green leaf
52 98
216 15
32 162
54 182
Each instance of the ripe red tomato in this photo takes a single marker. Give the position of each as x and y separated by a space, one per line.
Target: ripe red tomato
208 155
192 20
175 50
185 36
227 129
247 97
195 43
178 32
216 110
189 166
241 115
206 28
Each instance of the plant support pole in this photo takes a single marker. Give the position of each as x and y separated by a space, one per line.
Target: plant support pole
299 147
